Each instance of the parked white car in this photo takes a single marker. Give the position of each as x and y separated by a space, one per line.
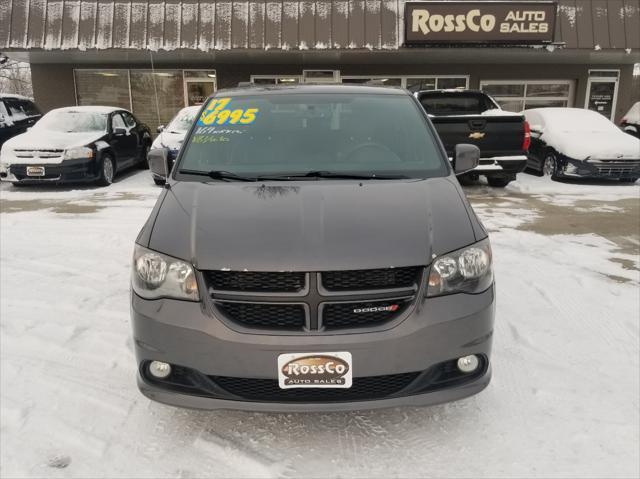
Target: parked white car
630 123
577 143
172 135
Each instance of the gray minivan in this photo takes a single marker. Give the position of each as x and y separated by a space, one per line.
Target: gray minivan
312 250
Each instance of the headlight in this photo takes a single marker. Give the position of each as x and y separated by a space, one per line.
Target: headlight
157 143
156 275
75 153
467 270
6 155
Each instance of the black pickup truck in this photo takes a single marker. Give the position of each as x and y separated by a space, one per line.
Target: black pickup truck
469 116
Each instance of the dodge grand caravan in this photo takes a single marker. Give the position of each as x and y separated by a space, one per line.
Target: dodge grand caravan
312 250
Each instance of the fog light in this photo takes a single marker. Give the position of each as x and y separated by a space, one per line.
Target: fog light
160 370
468 364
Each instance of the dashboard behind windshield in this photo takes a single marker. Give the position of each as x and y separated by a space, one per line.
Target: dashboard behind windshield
300 132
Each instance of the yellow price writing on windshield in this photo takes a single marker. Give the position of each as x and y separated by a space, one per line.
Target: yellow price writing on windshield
217 113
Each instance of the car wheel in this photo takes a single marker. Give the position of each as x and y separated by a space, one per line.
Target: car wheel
159 181
144 157
498 182
550 166
628 180
107 171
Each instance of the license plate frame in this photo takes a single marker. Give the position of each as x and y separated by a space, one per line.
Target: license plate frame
35 171
311 370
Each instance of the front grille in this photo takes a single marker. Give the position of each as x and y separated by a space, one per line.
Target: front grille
268 390
23 153
257 282
616 167
388 278
306 302
351 315
265 315
615 171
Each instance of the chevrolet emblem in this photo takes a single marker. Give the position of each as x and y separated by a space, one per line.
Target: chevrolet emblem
476 135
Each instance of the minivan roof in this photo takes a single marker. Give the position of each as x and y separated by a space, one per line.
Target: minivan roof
314 88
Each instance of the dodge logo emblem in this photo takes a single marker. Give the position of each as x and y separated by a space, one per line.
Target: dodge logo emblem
377 309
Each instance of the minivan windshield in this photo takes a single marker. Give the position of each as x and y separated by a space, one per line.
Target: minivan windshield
73 121
306 133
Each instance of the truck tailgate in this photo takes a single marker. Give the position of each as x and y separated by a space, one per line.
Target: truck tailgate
494 135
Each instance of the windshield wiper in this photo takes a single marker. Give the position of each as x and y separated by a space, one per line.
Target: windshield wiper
338 175
219 175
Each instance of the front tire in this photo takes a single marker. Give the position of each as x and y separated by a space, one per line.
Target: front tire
107 171
144 157
550 166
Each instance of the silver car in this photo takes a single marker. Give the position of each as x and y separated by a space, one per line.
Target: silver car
312 250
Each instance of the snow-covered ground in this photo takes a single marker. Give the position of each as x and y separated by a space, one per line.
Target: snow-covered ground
564 401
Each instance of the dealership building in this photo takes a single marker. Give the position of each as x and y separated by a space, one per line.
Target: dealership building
155 56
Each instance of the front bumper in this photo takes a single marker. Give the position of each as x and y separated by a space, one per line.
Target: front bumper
599 168
188 335
73 170
501 165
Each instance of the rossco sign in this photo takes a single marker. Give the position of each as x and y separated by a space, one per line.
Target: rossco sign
479 22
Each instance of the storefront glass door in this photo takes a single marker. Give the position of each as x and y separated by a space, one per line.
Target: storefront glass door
602 93
197 91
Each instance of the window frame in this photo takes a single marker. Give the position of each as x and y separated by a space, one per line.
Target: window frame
569 98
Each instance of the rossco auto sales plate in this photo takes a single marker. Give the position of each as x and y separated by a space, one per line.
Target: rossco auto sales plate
315 370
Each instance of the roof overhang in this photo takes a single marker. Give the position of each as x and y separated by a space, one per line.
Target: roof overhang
513 55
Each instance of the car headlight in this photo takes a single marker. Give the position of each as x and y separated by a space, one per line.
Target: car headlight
157 275
80 152
6 155
467 270
158 143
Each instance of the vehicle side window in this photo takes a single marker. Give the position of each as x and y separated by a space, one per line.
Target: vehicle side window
117 122
129 120
29 108
3 110
15 109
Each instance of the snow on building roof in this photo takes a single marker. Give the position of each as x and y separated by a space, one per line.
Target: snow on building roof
258 24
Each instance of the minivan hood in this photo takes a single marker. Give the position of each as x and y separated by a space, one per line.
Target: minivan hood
41 139
311 225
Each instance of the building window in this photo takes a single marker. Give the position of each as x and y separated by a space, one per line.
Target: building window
275 79
156 96
103 87
435 83
373 80
516 95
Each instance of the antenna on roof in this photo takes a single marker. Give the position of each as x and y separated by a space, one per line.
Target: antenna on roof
155 87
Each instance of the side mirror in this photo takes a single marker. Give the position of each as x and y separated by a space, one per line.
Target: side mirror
467 158
159 162
120 131
160 129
